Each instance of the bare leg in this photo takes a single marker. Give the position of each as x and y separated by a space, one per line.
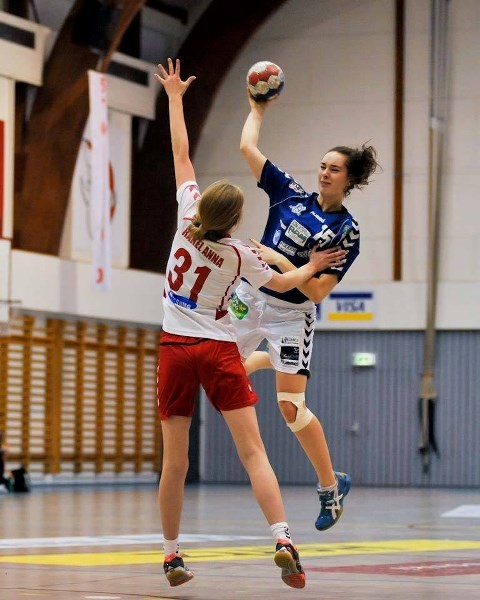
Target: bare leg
256 361
174 471
243 426
312 437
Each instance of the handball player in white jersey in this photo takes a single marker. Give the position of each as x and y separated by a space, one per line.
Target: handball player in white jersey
198 343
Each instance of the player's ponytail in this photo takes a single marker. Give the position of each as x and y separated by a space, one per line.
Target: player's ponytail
196 229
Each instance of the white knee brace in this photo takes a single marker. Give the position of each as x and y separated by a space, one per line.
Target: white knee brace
304 414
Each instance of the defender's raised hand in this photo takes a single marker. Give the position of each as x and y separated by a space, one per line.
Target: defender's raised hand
171 80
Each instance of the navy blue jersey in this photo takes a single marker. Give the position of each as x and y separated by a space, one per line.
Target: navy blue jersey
296 223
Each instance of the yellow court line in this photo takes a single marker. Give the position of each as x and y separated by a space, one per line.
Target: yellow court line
106 559
350 316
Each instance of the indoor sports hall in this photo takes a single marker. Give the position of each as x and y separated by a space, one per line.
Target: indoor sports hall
84 241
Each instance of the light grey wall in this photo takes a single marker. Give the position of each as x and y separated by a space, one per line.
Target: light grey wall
338 58
370 415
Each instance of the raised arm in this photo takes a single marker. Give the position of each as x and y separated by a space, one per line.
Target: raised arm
250 135
175 88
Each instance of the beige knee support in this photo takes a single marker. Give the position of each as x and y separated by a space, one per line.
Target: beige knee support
304 414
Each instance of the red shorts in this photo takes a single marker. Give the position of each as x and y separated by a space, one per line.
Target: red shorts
186 363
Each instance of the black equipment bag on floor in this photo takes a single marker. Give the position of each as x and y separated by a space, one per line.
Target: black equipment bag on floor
21 480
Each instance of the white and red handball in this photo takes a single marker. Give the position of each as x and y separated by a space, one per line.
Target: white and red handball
265 80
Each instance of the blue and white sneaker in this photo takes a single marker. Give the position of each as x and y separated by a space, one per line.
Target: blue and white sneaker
332 502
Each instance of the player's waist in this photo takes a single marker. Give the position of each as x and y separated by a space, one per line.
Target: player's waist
265 294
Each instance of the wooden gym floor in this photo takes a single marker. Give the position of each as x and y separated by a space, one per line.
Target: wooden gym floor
102 543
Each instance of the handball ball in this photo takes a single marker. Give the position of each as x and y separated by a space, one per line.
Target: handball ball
265 80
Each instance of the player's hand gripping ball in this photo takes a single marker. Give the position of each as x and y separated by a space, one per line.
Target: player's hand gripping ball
265 80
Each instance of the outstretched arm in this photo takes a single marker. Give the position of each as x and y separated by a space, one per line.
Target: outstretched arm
175 88
302 276
251 134
315 288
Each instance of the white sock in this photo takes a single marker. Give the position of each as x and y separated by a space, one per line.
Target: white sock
280 531
171 547
328 488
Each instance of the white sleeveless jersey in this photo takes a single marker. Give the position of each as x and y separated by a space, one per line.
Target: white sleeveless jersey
202 275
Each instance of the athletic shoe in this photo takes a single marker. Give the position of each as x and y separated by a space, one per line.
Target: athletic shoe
286 557
332 502
176 572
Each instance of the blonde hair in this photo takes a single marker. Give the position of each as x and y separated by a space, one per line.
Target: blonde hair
218 211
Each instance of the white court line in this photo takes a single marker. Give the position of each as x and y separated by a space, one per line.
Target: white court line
102 597
115 540
465 510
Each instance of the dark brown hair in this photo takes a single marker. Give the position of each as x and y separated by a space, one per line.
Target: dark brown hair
361 164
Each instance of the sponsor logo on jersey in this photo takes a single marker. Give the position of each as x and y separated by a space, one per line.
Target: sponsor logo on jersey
297 209
290 350
297 233
282 224
292 340
181 301
303 254
276 237
293 185
286 248
237 308
345 230
318 217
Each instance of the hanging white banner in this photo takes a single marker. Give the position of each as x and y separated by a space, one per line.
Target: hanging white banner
100 186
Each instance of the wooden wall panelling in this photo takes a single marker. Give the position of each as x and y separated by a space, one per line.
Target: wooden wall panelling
53 395
100 398
120 399
79 397
38 366
140 390
25 409
158 445
80 330
11 392
3 382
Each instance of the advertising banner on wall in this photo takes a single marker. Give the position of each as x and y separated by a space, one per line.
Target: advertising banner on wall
347 310
99 182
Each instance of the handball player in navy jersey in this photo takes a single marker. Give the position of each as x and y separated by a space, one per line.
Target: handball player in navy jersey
297 221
